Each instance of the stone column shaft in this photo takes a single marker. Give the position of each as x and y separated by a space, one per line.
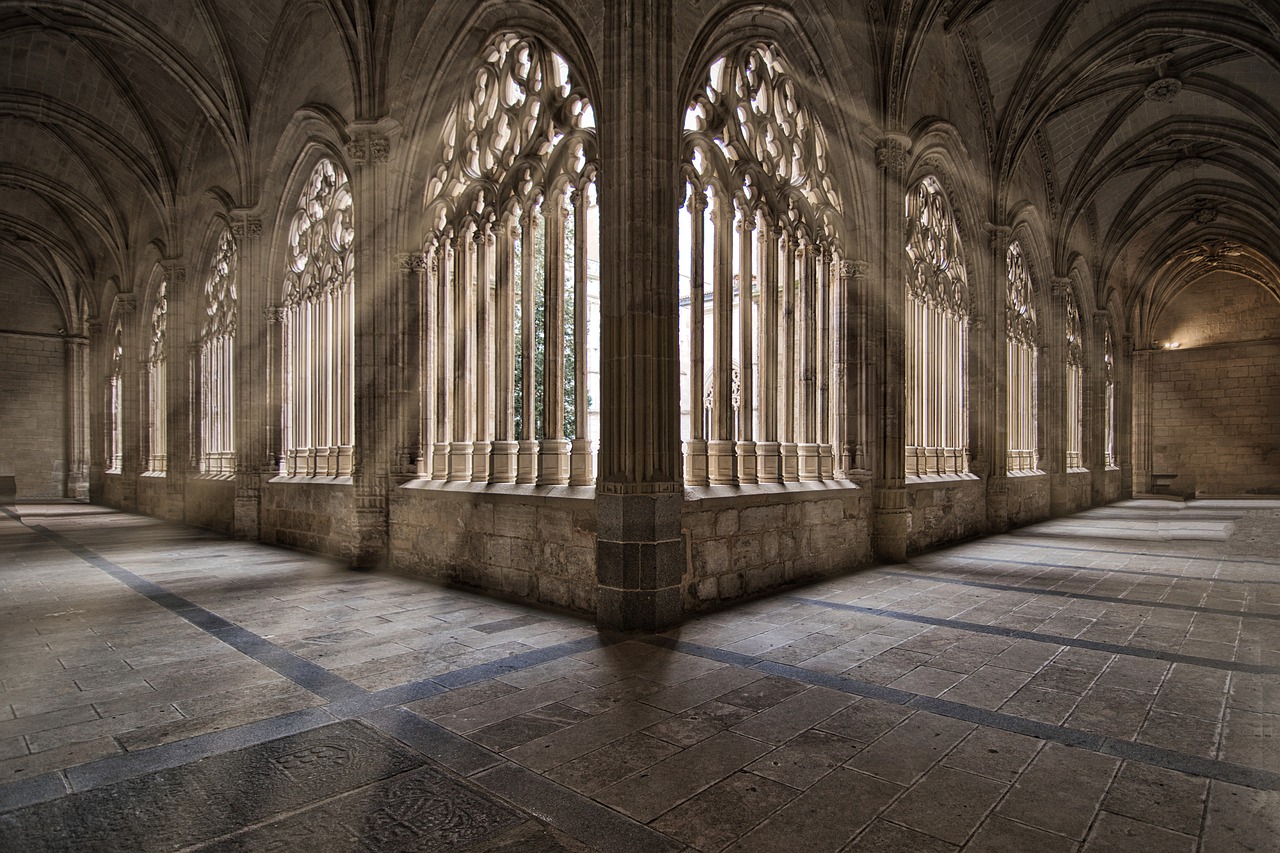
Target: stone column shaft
640 554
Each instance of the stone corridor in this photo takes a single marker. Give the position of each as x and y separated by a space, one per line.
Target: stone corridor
1109 681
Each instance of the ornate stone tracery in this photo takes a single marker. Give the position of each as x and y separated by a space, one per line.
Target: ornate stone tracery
760 229
217 359
1022 352
936 335
157 382
319 306
512 285
115 402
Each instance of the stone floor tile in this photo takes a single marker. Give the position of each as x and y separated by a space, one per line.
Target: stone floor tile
988 687
794 715
572 741
910 749
1001 835
1240 820
885 837
612 762
805 759
865 720
993 753
68 755
695 691
762 694
1045 706
1026 656
1181 733
927 681
473 717
1111 711
699 723
1074 804
947 804
1119 834
673 780
1157 796
1251 739
728 809
823 818
612 695
514 731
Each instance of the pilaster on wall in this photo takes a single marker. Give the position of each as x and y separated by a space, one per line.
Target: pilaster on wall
892 526
1125 415
1053 391
126 310
857 356
77 366
96 370
253 334
179 357
1095 411
1140 385
369 153
993 421
639 545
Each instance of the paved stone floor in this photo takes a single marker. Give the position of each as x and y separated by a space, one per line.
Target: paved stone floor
1104 682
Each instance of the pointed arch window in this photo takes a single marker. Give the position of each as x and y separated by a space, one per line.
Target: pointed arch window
217 360
758 283
1109 377
319 329
115 403
936 333
1075 383
157 384
1022 348
512 295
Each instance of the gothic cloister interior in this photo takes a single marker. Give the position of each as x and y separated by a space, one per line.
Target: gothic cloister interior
633 424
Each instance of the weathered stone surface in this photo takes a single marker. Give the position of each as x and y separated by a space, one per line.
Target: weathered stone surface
212 797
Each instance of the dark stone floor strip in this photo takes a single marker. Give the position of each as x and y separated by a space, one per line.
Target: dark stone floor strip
1030 533
1224 771
299 670
1145 574
1134 602
1075 642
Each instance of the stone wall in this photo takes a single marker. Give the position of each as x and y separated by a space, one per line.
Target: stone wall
537 545
1214 418
945 511
153 495
211 503
1072 492
1028 498
33 405
740 545
310 515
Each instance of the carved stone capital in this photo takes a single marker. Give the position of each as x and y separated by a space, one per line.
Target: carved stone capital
891 153
412 262
1000 235
174 272
248 226
96 327
193 350
368 147
978 321
854 269
1061 287
125 303
273 314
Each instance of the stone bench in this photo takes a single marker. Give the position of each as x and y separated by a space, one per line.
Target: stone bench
1162 484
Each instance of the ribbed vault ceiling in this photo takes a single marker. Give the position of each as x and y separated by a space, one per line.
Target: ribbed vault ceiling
1155 125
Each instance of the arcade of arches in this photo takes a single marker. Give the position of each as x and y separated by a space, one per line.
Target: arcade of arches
637 307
